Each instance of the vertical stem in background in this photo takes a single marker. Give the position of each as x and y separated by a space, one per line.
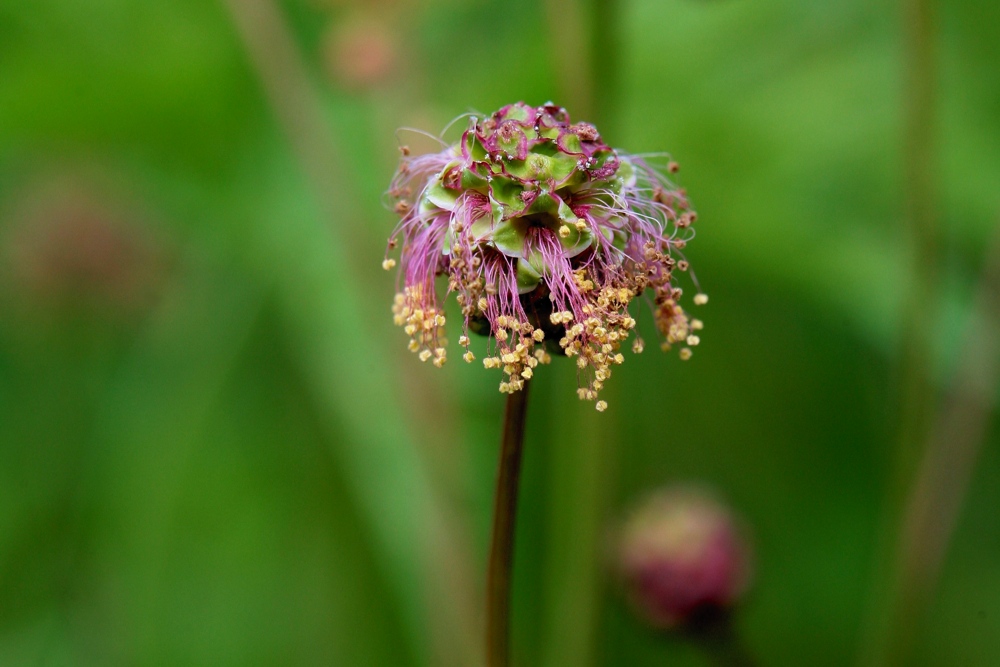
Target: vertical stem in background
570 57
388 477
605 47
915 395
916 391
585 57
498 578
936 499
585 48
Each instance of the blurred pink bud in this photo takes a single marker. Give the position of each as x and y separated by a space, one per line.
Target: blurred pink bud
361 54
683 558
70 245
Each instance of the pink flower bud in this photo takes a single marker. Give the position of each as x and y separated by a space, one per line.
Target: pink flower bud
682 558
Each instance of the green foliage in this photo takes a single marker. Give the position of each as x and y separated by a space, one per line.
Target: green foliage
214 449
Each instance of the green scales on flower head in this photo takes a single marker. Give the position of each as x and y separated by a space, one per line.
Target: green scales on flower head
545 234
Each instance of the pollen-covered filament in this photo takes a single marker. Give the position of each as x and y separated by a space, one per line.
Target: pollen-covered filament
515 352
423 323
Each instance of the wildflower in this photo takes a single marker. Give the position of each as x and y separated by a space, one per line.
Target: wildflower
546 235
682 558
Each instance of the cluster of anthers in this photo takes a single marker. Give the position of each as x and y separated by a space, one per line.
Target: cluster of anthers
546 235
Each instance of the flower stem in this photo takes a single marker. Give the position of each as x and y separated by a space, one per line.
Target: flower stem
719 638
498 580
889 629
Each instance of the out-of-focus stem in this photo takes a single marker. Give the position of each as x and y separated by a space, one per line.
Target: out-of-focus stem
948 461
298 108
571 57
499 574
585 57
722 642
605 46
917 394
577 494
296 104
889 623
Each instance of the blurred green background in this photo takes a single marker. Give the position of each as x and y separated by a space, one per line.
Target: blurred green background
215 450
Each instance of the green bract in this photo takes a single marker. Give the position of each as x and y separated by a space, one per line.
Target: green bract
527 163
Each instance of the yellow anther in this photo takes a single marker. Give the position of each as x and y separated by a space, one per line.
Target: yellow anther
413 346
463 340
581 224
693 340
685 353
388 264
601 406
538 335
424 355
700 299
469 357
526 373
563 231
482 303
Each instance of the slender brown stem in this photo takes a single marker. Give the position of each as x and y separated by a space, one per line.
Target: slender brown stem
498 580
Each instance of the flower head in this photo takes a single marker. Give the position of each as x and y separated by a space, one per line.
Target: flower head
546 234
682 558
